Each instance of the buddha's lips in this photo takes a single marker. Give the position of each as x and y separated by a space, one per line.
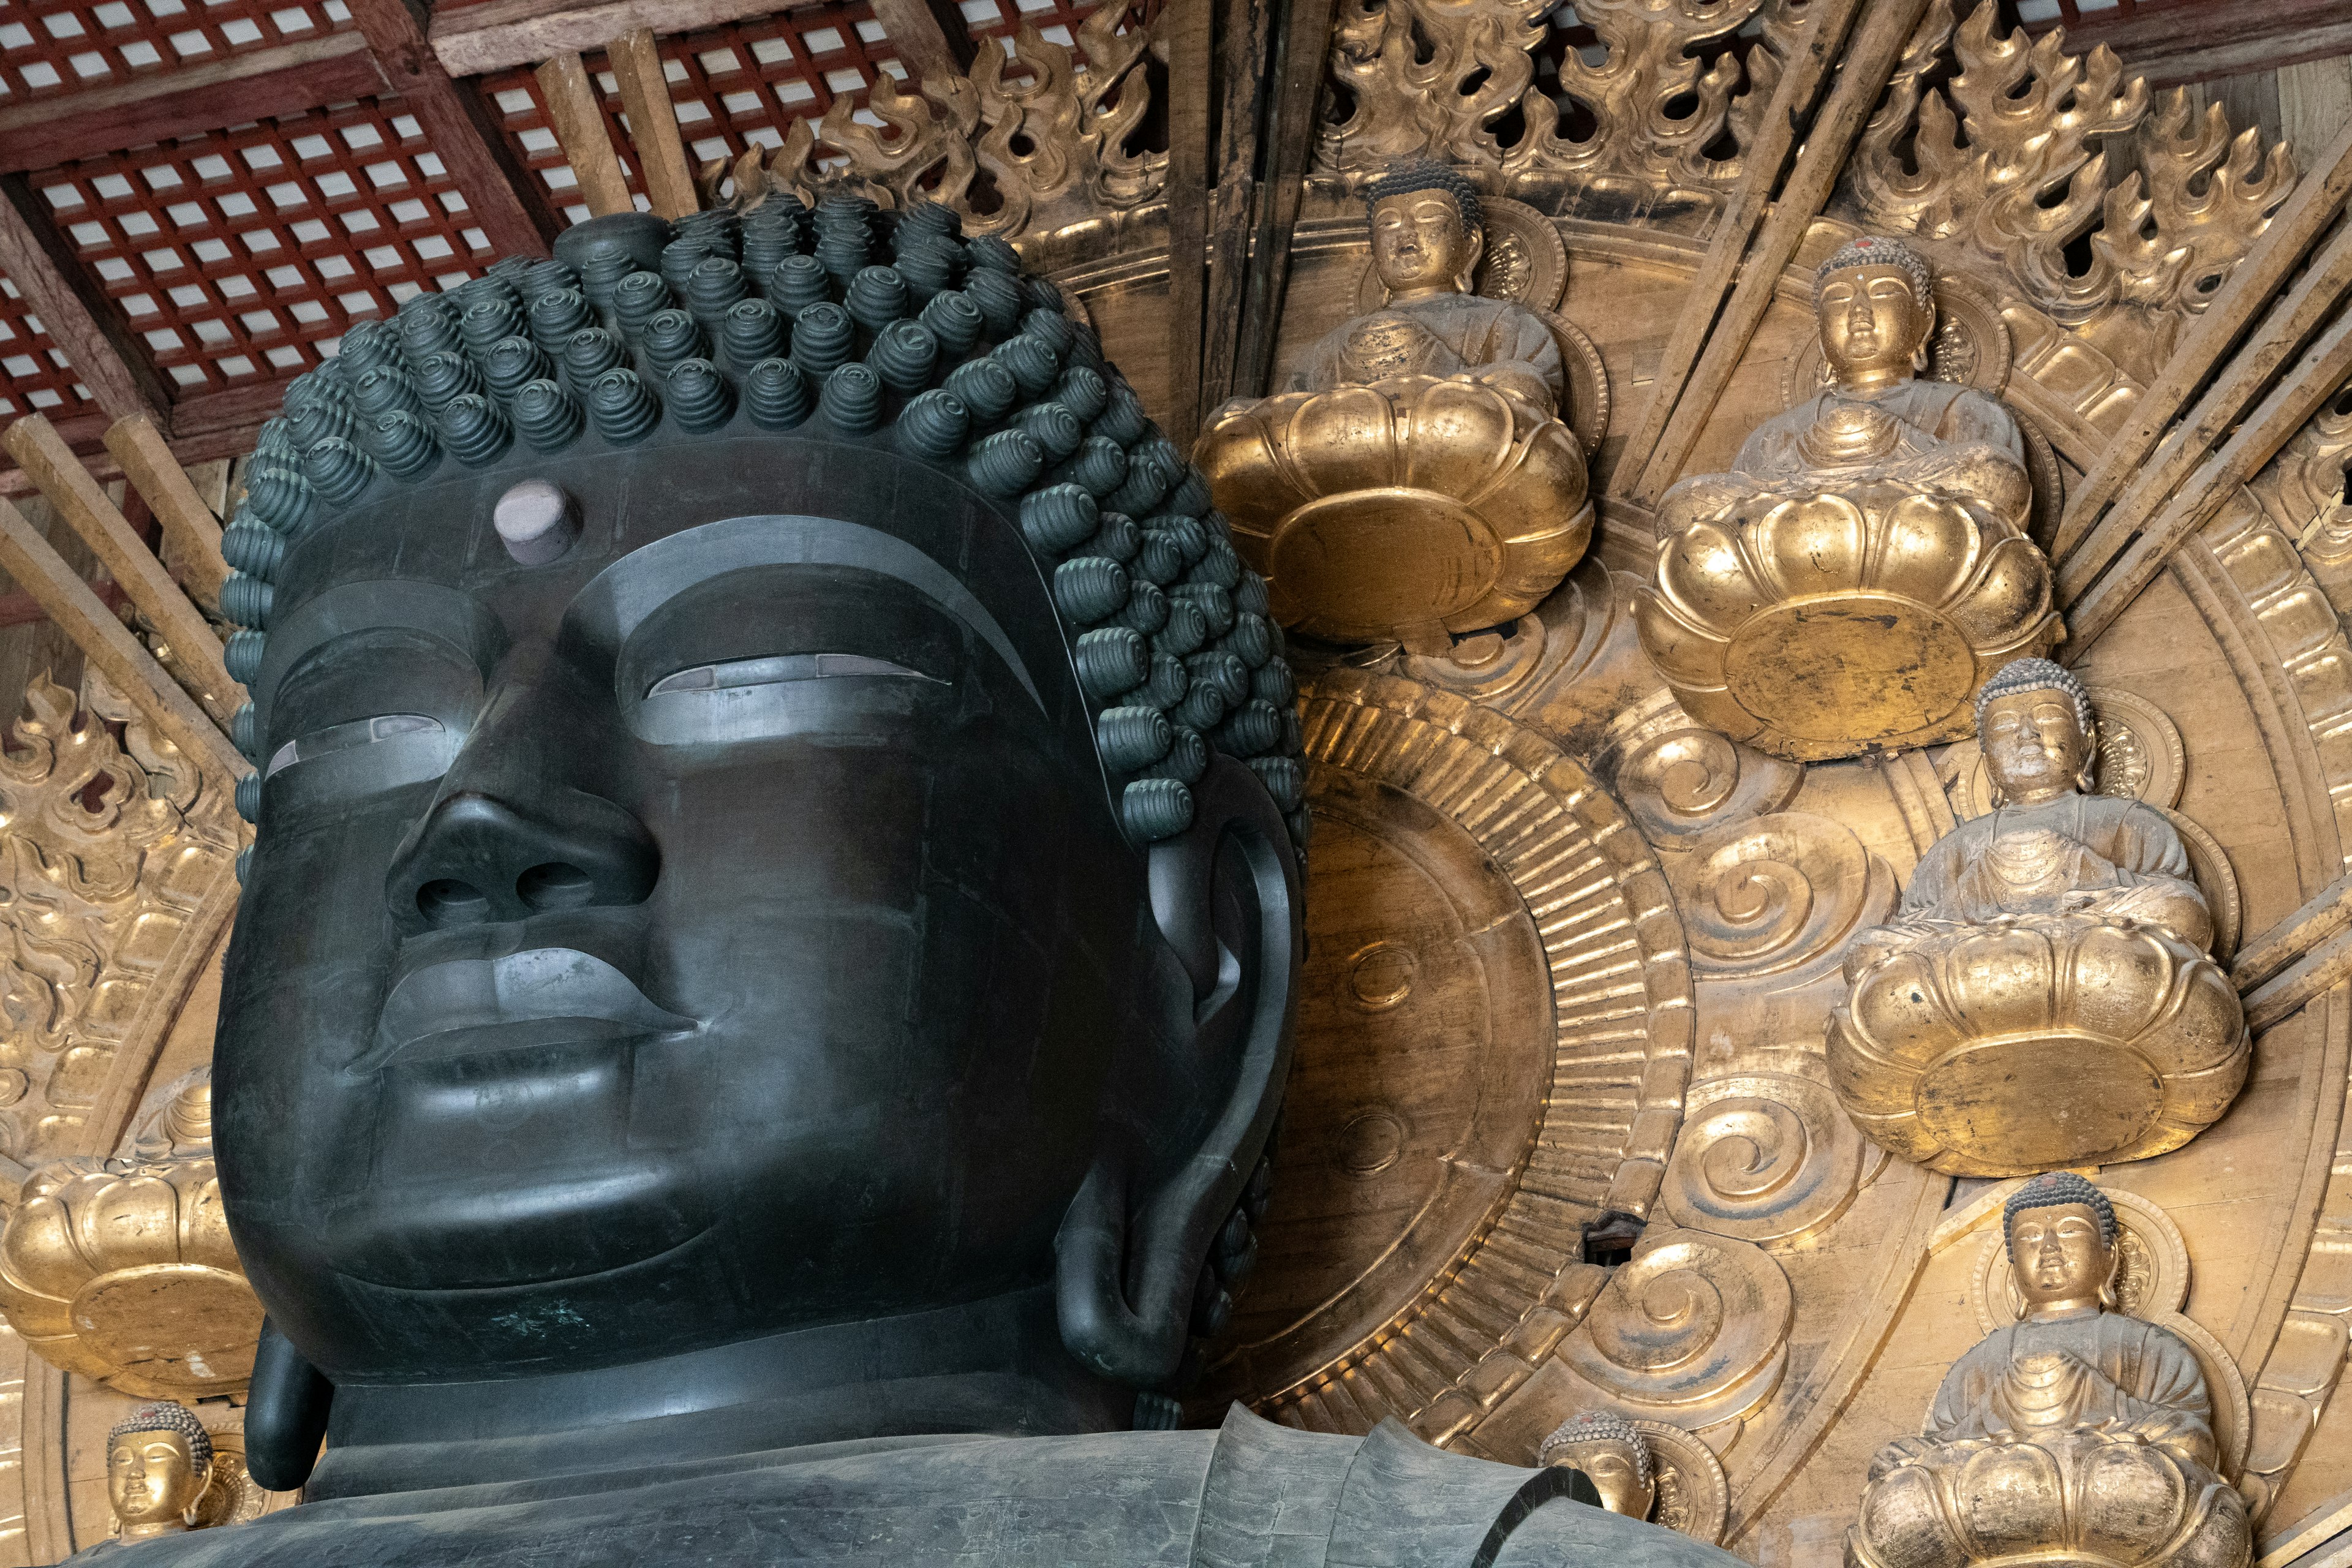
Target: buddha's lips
464 1004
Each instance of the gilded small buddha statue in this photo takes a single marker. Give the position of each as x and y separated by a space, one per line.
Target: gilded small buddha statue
2045 994
1613 1455
1414 480
1427 237
1864 564
2077 1434
159 1459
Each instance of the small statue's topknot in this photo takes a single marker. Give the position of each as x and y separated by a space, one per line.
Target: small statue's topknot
165 1416
1877 250
2050 1192
1598 1426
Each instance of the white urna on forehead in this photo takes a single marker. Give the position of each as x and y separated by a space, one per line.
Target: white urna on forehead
1876 250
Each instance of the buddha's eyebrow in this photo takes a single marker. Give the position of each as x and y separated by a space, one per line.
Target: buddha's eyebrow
621 597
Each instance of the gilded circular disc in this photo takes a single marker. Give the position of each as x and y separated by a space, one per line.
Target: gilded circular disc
1858 668
1417 1079
1370 561
1463 1089
2086 1098
2208 864
1694 1494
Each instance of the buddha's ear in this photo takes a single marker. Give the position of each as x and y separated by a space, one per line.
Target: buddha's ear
1927 340
1225 894
1476 235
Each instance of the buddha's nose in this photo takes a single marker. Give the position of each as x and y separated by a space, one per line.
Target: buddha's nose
519 825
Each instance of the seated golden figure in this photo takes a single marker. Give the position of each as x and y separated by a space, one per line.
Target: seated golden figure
1415 480
2078 1437
2044 996
1865 564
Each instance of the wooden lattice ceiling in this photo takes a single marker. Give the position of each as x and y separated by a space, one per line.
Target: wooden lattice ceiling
202 197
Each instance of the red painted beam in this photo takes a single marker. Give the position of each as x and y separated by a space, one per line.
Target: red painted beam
144 110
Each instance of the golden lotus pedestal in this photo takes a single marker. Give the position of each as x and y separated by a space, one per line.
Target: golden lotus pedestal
2082 1498
129 1276
1409 508
2033 1043
1819 625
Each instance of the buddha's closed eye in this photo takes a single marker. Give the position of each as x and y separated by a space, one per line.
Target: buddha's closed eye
347 737
780 669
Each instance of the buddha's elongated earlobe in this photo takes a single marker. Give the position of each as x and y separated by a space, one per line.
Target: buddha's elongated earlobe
1475 247
1134 1242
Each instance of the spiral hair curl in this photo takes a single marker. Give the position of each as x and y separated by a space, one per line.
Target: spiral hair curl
165 1416
1598 1426
1171 633
2051 1191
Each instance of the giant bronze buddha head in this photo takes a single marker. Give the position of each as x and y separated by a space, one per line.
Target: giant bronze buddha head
771 804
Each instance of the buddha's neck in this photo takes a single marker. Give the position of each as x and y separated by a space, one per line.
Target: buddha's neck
992 1367
1872 383
2067 1312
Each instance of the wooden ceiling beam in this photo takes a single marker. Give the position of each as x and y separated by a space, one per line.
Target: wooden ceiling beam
192 534
286 79
1862 72
195 647
511 204
504 34
1303 36
84 324
2172 46
1790 111
652 121
1189 30
107 644
931 39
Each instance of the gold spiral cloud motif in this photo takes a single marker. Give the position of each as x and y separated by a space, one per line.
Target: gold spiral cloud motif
1682 782
1691 1330
1780 894
1763 1158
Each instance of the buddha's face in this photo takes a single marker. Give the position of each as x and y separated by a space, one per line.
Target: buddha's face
1616 1474
1873 328
151 1480
719 928
1420 244
2034 747
2059 1255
